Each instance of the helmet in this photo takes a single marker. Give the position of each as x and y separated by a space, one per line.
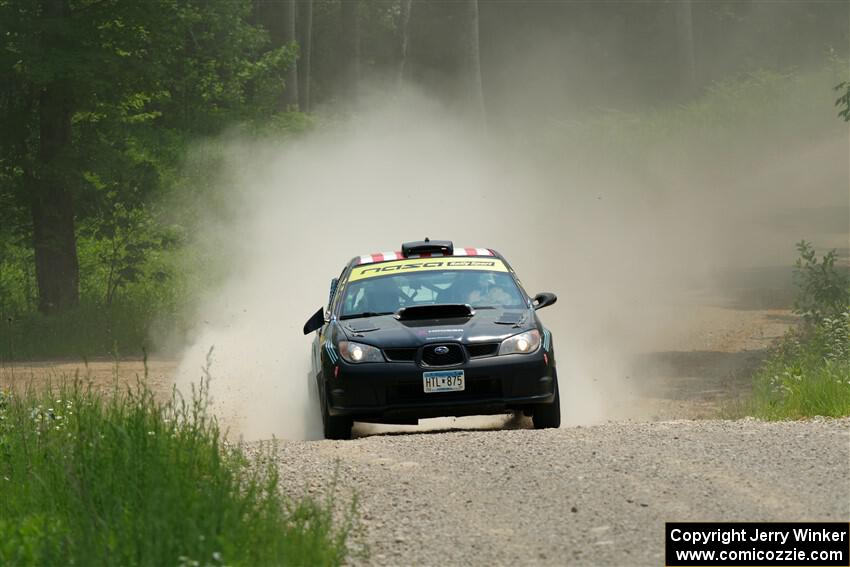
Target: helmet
382 295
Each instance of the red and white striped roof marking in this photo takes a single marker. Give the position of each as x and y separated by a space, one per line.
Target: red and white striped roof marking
380 257
389 256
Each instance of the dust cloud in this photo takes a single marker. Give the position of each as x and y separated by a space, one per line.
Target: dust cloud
626 250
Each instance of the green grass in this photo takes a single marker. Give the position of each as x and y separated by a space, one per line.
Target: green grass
121 479
81 332
801 390
808 375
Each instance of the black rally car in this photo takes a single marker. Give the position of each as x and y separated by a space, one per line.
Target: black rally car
431 331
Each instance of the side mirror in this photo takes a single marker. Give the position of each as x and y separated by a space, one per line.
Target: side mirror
315 322
544 299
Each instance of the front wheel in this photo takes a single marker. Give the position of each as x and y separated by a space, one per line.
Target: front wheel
337 427
548 416
334 426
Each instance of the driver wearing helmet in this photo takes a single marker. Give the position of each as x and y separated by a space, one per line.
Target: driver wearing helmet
383 296
488 293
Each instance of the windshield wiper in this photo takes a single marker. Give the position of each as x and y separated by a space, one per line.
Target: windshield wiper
365 314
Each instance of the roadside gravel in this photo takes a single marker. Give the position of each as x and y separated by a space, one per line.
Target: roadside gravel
594 495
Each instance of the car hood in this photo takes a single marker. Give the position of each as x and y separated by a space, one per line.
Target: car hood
486 325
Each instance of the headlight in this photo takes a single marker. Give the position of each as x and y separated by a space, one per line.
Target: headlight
357 352
523 343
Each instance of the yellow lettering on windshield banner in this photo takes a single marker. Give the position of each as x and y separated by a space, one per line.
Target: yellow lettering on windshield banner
483 264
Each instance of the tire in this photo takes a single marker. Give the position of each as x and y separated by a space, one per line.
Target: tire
337 427
334 426
548 416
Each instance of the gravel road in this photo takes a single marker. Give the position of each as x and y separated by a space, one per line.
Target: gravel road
595 495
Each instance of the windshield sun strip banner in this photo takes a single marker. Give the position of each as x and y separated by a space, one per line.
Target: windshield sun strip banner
409 266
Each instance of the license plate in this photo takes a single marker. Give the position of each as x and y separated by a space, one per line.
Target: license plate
443 381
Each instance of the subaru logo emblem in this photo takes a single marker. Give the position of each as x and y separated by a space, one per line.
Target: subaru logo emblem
441 350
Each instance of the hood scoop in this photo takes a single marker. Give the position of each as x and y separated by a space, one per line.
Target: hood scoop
508 318
359 328
443 311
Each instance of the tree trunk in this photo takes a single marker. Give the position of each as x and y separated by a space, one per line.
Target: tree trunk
305 40
442 54
685 35
406 8
54 240
350 47
475 87
290 92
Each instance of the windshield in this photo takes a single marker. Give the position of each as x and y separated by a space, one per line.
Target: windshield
386 294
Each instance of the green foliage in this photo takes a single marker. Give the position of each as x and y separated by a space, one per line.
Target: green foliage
823 291
843 100
143 86
141 82
126 246
808 374
17 280
129 284
121 479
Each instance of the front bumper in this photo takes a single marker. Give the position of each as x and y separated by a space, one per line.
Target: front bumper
394 390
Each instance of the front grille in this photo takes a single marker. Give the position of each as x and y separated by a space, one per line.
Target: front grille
400 354
453 355
485 349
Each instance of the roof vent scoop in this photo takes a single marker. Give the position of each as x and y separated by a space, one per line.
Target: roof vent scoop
428 246
438 311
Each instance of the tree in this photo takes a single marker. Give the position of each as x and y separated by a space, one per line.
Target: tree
280 19
475 89
685 36
51 205
404 30
349 24
99 95
443 53
305 43
290 91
